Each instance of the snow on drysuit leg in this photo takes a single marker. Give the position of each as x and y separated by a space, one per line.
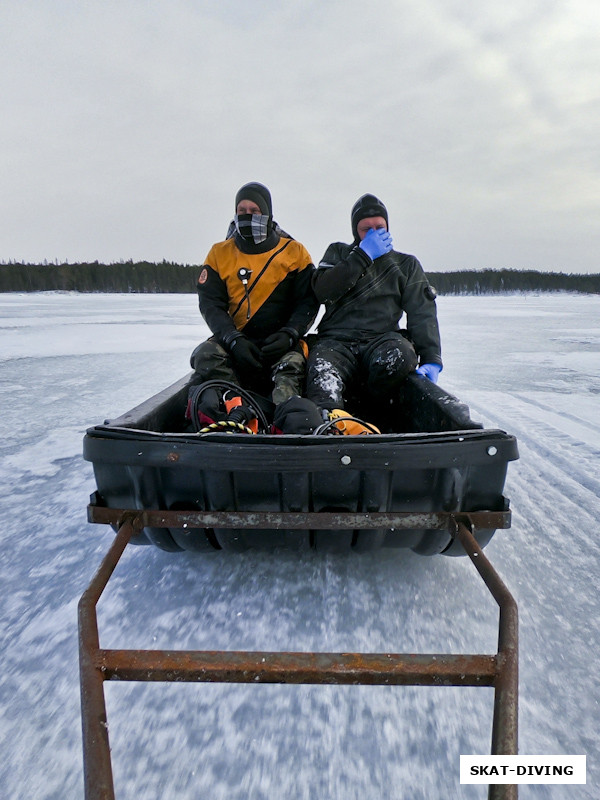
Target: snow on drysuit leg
387 360
331 366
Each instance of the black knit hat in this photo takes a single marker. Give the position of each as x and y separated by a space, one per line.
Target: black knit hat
367 206
259 194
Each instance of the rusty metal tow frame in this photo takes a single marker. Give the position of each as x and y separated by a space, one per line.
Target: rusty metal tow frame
98 665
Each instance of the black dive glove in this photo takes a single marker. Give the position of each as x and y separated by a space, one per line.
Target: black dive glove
278 344
244 353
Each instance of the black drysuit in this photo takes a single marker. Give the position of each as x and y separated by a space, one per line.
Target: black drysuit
359 336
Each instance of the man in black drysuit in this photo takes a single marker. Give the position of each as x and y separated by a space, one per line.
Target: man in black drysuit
366 288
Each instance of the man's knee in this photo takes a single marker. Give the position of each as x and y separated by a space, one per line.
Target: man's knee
326 381
288 376
389 364
292 363
208 358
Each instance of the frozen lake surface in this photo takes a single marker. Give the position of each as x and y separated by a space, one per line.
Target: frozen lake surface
528 364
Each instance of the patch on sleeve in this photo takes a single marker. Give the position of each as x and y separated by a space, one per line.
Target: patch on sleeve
203 276
430 292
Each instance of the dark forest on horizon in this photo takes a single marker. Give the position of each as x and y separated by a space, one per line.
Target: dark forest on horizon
169 278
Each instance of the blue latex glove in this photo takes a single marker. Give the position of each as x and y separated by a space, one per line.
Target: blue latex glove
377 243
430 371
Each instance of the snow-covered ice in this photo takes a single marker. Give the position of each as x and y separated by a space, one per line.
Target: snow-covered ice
527 364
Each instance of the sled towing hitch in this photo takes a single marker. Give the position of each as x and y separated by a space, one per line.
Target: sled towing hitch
97 665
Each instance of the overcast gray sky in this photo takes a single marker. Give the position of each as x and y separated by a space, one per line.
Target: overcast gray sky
127 127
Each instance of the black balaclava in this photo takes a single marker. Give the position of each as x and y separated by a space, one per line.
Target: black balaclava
367 206
255 230
259 194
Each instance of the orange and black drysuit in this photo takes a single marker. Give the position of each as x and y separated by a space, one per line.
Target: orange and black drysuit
255 291
276 296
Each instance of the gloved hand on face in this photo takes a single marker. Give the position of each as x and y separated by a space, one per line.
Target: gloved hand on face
377 243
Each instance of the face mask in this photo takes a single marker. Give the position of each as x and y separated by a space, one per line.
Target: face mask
254 228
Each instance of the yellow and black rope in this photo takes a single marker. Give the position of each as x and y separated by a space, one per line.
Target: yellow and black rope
226 426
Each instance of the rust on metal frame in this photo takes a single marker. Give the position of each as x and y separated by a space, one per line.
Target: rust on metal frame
301 520
97 665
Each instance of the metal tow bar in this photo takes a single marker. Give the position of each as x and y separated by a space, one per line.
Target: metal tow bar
98 665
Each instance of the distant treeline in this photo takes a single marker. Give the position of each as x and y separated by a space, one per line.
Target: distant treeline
125 276
167 277
494 281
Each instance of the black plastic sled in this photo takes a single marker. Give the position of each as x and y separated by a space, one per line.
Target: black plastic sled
430 458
